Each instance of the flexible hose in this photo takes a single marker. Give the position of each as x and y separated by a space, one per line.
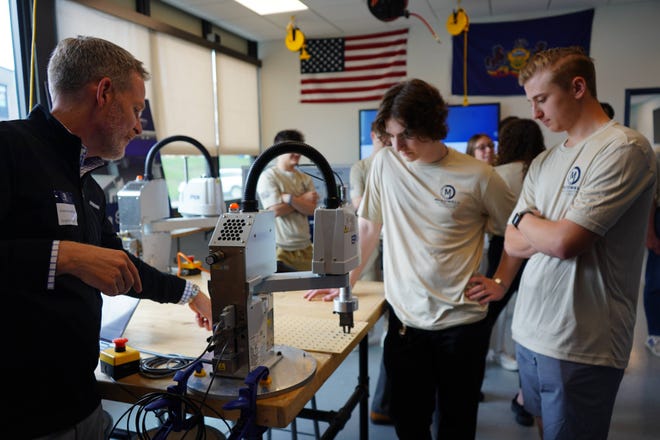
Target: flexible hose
428 26
249 202
151 155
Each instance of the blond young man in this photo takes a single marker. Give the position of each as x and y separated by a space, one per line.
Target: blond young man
581 220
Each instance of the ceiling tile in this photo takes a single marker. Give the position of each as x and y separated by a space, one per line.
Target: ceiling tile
331 18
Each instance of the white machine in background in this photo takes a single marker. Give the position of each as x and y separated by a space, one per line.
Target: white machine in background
243 276
145 224
201 196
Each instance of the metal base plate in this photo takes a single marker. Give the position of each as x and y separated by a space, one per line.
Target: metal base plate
294 369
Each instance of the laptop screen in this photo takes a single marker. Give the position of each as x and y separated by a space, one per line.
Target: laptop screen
116 314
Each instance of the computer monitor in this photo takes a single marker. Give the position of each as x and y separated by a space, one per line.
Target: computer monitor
466 121
463 123
367 116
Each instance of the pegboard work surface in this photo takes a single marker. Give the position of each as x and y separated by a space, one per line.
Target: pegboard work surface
314 334
308 325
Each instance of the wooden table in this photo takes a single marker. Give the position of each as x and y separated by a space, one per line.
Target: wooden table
167 328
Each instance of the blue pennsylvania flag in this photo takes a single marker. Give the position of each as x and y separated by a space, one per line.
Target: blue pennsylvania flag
497 51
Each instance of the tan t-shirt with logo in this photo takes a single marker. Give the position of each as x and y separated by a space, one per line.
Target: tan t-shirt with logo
434 218
582 309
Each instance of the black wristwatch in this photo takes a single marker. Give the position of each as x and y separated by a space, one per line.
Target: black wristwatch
518 217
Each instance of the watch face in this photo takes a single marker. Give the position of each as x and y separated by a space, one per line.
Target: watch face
516 219
519 216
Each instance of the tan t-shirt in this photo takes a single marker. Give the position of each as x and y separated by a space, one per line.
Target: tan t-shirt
358 177
291 230
582 309
512 174
434 218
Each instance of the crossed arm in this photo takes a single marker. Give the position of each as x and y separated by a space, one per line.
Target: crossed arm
562 238
304 203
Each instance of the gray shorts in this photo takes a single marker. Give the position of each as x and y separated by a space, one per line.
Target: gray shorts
575 400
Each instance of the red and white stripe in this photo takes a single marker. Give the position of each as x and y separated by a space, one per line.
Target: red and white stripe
372 64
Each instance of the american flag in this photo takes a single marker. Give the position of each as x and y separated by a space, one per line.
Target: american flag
352 69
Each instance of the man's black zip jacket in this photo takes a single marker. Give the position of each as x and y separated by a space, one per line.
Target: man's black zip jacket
50 348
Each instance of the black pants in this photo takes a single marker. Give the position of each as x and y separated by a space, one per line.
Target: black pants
428 366
495 247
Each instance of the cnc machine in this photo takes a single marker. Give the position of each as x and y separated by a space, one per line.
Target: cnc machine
243 276
145 224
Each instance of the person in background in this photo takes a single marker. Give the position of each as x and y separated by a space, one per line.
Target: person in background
60 250
358 179
481 147
505 121
652 272
372 272
581 221
433 204
520 141
291 195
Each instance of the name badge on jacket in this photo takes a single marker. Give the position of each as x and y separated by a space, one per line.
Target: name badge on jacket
66 209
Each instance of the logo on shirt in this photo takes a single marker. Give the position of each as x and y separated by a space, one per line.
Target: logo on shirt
447 194
571 184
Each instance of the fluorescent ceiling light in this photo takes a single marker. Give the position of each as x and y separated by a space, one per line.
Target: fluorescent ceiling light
265 7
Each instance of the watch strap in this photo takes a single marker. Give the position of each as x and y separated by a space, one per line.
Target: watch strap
518 217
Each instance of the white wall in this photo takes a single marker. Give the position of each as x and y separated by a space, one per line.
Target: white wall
624 45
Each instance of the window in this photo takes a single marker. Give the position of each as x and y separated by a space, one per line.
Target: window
9 104
178 169
4 105
233 169
192 101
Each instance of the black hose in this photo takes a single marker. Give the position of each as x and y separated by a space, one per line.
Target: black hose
151 155
249 202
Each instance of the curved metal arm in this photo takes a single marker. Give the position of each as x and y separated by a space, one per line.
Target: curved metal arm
151 155
249 202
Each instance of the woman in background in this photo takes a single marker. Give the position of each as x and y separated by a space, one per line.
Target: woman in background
481 147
